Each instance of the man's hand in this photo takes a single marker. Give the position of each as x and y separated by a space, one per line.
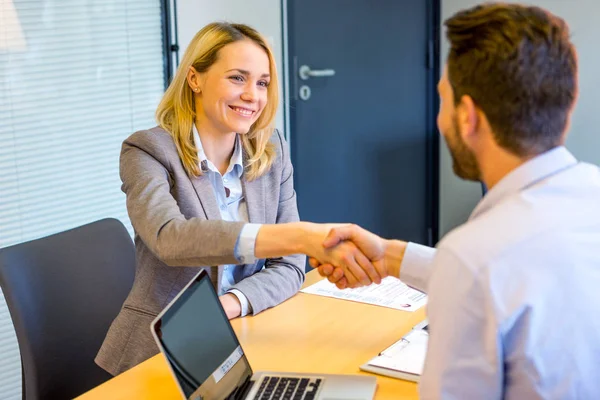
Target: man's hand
385 255
231 305
358 270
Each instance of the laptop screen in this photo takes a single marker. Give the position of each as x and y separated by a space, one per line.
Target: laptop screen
199 342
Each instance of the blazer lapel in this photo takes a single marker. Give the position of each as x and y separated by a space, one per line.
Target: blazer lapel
255 202
207 197
254 191
208 200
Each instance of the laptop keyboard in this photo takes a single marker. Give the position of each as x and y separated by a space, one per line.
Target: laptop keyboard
282 388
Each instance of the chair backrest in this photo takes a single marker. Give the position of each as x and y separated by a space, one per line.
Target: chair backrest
63 291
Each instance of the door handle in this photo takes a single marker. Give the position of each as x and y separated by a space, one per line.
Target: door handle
305 72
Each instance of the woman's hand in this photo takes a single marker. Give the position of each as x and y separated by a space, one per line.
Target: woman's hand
386 255
278 240
231 305
357 268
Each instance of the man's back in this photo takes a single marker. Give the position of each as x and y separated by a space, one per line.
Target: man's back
522 288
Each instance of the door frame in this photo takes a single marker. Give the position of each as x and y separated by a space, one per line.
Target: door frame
290 88
169 39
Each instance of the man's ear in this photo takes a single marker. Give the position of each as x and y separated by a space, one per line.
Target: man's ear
468 117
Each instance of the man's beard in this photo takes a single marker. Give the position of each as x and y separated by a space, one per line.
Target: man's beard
464 162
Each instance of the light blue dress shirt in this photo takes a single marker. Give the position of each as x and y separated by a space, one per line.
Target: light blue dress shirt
232 208
514 294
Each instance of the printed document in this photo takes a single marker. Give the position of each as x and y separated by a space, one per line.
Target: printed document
391 293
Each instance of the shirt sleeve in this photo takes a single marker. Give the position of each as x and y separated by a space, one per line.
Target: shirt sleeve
244 247
416 265
464 355
246 306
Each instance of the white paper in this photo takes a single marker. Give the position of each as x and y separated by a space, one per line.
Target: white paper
407 355
391 293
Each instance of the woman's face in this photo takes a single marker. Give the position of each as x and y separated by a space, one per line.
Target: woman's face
233 92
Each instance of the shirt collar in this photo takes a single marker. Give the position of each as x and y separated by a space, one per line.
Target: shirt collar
235 161
531 172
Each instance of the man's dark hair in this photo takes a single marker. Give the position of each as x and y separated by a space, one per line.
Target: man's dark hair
519 66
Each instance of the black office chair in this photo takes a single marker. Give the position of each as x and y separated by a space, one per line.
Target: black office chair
63 291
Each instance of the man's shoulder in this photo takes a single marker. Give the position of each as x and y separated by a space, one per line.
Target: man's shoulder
486 236
485 230
547 211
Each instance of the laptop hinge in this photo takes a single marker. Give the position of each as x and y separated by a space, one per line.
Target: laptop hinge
242 390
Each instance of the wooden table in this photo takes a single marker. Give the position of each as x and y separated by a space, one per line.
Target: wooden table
307 333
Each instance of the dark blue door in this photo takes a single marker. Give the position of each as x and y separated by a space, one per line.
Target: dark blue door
362 112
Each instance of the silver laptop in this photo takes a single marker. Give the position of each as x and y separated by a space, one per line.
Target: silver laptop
208 363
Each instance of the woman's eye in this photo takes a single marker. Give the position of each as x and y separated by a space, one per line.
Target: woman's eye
237 78
263 83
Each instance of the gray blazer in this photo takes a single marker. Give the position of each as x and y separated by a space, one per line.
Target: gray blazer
178 231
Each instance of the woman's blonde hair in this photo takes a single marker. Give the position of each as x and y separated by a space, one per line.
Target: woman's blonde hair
176 112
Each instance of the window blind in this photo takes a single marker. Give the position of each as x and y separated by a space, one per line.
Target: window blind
76 78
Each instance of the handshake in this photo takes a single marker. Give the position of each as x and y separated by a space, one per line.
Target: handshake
350 256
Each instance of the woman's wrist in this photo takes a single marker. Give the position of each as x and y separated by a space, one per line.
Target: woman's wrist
231 305
279 240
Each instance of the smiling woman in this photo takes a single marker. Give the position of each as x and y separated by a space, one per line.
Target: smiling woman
211 188
244 91
227 68
231 95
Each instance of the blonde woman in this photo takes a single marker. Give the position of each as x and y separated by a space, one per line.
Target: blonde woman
211 187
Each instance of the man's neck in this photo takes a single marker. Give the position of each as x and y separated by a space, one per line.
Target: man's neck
497 163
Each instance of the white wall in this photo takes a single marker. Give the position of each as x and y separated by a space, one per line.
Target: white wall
262 15
457 198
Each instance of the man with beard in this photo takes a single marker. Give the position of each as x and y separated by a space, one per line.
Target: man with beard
514 292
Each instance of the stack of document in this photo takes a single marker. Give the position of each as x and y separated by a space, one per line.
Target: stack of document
405 358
